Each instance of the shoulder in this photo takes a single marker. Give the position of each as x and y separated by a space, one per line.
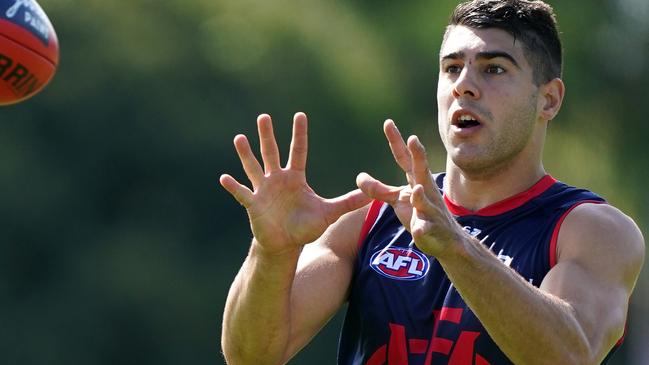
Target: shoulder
600 253
561 196
603 236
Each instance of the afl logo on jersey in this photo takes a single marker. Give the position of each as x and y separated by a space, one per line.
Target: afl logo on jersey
400 263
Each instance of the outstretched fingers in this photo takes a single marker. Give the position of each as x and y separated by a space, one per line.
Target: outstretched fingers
343 204
240 192
425 212
376 189
250 164
268 144
398 148
421 171
420 200
299 143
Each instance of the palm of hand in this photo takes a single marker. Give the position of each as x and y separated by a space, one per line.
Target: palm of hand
287 211
284 212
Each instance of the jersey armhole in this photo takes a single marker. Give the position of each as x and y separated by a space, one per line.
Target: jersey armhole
553 253
370 219
557 228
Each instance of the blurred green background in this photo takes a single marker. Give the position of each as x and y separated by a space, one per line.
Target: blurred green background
117 243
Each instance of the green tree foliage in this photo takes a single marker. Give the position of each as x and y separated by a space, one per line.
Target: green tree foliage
118 245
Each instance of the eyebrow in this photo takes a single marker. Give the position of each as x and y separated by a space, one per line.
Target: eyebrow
482 56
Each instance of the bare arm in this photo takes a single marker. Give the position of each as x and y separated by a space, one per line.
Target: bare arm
578 312
600 254
265 319
282 302
322 279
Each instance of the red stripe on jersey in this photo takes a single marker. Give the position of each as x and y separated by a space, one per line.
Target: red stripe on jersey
503 205
378 358
417 346
479 360
370 219
397 351
557 227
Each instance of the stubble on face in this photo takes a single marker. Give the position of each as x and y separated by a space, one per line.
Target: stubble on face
506 104
500 147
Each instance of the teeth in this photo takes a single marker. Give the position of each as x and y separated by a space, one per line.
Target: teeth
466 117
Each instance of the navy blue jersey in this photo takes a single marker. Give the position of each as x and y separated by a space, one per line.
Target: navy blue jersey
403 310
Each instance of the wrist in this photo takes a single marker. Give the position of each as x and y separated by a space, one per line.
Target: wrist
460 251
258 249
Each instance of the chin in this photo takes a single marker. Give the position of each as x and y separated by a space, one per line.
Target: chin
474 164
467 155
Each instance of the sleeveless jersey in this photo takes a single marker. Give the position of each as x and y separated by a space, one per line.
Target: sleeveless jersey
403 310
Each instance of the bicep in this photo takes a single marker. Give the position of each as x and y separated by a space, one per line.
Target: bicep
598 307
322 279
600 253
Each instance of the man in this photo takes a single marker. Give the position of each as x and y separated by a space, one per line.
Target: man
491 262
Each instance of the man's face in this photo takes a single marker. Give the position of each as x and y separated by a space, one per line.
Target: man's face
486 98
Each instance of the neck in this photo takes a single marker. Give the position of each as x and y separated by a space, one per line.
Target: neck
476 191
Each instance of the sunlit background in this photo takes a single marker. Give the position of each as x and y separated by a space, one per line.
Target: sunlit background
117 244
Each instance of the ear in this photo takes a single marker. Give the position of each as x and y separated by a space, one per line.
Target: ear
551 98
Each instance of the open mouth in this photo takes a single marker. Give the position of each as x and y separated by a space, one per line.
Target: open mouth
466 121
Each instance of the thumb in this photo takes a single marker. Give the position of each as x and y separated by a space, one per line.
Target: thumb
240 192
346 203
375 189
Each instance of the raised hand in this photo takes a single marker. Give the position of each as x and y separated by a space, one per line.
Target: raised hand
284 211
397 196
418 205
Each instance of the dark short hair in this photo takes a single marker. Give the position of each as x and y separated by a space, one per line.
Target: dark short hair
531 22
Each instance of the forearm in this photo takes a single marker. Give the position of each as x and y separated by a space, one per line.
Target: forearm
256 321
529 325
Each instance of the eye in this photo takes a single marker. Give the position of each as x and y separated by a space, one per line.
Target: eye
495 69
453 69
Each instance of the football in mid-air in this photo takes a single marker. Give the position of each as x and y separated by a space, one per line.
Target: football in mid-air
29 50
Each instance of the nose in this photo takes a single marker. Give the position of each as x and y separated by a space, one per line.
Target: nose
466 85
